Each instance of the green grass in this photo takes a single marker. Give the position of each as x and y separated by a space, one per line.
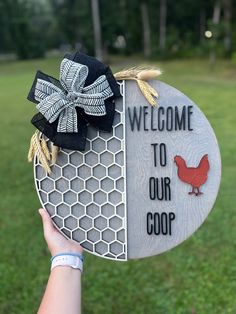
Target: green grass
198 276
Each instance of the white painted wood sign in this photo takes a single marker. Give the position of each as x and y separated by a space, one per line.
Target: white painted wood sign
143 188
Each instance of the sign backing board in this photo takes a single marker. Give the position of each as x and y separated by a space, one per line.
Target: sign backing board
142 189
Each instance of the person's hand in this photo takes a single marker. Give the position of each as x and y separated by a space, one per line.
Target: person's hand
56 242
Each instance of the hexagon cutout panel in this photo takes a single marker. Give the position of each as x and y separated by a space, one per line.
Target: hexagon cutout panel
103 197
86 190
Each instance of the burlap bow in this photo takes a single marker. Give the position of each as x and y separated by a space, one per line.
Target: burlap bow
59 102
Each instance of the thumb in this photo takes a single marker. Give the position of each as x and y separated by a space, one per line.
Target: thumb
47 222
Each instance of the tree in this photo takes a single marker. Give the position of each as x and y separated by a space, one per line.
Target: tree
216 12
24 36
162 28
227 6
97 29
202 24
215 28
146 30
73 24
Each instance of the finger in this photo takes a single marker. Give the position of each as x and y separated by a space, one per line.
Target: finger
47 222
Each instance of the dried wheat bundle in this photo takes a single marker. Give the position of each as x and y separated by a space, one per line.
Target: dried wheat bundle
39 148
141 75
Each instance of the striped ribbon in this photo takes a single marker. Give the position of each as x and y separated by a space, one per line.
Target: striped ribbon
55 102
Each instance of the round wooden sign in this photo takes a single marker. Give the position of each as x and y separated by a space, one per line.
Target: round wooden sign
143 188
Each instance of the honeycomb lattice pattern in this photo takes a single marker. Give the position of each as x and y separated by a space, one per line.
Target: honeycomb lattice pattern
85 194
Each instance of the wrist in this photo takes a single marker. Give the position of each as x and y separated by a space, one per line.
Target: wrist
61 250
65 269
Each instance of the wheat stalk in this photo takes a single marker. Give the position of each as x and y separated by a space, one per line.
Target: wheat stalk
127 74
145 89
148 74
41 156
45 148
142 73
152 90
54 153
31 152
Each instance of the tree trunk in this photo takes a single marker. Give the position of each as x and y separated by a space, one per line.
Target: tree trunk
97 30
227 4
215 21
202 26
216 13
162 29
146 30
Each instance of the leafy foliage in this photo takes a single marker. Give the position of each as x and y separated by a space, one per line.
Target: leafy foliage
30 28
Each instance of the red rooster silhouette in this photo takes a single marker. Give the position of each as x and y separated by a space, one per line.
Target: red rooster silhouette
191 175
